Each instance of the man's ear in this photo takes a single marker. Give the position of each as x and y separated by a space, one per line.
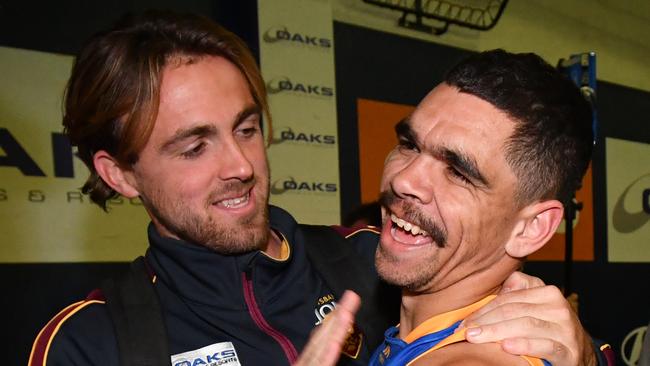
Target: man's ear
110 170
535 226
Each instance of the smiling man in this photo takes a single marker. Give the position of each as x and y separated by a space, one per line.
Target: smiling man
202 174
168 108
476 183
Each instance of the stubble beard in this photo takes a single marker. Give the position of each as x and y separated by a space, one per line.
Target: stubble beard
247 234
407 275
412 274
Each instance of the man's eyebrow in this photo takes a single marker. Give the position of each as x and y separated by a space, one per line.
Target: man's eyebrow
460 161
191 132
248 111
403 130
207 129
463 163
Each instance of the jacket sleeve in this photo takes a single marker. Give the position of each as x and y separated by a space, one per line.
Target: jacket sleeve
80 334
363 239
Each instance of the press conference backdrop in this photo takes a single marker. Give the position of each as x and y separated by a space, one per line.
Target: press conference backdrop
336 88
297 61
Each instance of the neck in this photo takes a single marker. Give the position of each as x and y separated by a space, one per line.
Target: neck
418 306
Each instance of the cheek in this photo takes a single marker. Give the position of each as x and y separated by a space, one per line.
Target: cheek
257 157
460 216
386 178
489 225
390 156
392 165
254 149
192 184
183 181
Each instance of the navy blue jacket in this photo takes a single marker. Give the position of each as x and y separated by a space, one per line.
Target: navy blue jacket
265 308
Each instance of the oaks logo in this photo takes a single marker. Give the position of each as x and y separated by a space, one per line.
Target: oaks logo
282 34
292 185
283 84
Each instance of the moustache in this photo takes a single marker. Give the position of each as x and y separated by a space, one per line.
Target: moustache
227 189
413 215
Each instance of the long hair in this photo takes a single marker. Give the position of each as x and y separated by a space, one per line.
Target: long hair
112 97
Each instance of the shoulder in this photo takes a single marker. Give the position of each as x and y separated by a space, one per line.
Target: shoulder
358 232
363 239
359 242
81 333
468 354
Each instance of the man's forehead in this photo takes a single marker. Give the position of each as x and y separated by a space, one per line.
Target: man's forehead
447 108
449 123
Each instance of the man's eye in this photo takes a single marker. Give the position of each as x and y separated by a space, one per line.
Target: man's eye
405 145
194 151
248 132
455 174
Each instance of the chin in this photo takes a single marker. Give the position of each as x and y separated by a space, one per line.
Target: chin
410 276
240 242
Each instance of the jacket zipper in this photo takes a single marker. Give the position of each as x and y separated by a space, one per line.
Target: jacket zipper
255 312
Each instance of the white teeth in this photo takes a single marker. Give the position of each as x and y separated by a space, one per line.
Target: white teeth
235 202
407 226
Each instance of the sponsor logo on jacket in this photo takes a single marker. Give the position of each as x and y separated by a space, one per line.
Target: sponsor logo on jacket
213 355
352 345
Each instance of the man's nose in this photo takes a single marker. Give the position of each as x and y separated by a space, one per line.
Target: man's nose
234 163
415 180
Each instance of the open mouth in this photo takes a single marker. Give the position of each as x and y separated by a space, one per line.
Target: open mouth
407 226
235 202
407 233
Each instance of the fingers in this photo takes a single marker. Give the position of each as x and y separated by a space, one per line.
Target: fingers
350 302
546 349
525 327
549 296
324 345
516 310
536 321
520 281
530 336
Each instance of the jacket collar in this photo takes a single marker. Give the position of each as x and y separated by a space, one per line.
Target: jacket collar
203 276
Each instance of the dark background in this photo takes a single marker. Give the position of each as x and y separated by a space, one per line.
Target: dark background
369 64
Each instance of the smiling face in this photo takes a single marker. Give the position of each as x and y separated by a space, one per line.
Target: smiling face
203 174
447 193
